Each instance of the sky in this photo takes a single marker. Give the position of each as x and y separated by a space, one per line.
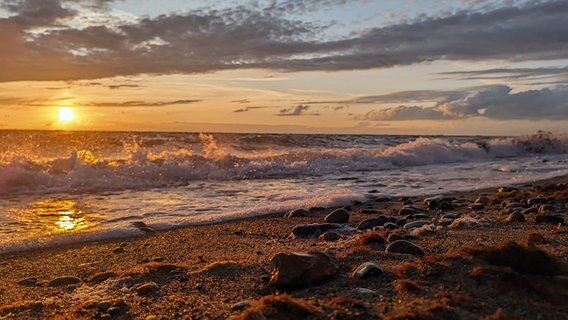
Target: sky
471 67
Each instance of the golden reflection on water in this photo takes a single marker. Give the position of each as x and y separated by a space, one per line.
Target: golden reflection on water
55 216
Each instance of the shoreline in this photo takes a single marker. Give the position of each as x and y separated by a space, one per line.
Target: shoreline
205 271
141 234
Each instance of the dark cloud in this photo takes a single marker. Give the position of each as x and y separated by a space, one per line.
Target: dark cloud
36 13
245 37
299 110
496 102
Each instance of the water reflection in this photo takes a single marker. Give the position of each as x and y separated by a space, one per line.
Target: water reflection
55 216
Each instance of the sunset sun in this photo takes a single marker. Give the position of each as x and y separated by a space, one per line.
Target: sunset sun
66 115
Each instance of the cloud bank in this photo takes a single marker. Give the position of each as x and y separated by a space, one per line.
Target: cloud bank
251 37
496 102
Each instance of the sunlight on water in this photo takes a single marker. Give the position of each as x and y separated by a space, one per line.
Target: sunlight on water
53 216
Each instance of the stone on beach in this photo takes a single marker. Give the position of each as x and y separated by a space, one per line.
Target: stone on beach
371 223
416 224
312 231
549 219
404 246
515 217
28 282
297 213
337 216
64 281
296 270
394 237
330 236
147 289
366 270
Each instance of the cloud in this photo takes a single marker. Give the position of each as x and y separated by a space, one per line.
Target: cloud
533 75
247 109
140 103
245 37
497 102
299 110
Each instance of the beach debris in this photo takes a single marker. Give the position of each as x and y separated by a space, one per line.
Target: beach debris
296 270
64 281
330 236
404 246
366 270
297 213
371 223
515 217
148 288
337 216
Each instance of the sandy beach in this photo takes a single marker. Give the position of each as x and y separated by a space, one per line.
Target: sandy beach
462 263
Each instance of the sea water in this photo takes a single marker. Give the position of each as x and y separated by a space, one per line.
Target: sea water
66 187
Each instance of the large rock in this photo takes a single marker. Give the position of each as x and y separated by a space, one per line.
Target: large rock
337 216
403 246
296 270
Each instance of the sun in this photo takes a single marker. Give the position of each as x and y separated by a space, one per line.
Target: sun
66 115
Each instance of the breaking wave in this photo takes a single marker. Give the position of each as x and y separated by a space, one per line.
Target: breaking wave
166 161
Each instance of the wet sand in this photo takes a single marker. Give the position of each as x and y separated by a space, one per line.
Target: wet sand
220 271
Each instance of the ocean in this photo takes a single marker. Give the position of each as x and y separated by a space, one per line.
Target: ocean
65 187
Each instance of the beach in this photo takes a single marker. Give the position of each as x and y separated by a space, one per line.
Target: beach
480 261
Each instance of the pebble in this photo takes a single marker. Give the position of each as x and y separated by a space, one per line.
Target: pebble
314 210
416 224
64 281
118 250
330 236
295 270
531 210
477 206
482 199
366 270
537 200
337 216
404 246
370 223
28 282
506 189
240 305
549 219
147 288
364 292
394 237
515 217
408 209
297 213
390 226
311 231
545 208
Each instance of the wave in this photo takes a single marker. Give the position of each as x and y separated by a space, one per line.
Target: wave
166 164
